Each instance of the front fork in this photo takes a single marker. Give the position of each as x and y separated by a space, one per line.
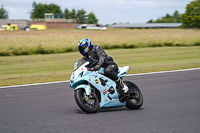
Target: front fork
87 88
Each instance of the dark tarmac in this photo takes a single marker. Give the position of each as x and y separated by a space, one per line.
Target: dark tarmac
171 105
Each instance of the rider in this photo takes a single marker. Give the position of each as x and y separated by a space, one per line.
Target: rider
98 58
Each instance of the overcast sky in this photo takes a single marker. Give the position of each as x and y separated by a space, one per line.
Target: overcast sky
106 11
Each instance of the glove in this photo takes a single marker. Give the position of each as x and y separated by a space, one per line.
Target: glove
96 68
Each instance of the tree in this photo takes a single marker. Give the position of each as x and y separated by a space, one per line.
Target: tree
40 9
92 19
73 14
177 16
191 18
81 17
166 19
67 14
107 25
53 8
150 21
3 13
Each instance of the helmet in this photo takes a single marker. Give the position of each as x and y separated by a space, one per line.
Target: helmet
84 46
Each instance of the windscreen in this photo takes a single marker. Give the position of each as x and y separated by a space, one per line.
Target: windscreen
78 64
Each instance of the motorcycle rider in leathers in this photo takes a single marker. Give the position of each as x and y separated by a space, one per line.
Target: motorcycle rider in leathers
98 58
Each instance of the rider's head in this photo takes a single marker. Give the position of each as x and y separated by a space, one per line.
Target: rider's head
84 46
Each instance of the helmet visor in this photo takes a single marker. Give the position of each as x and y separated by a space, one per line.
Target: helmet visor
83 49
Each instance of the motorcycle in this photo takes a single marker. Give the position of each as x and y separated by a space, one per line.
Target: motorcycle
93 90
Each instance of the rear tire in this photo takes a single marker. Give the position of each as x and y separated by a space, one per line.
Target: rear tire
133 101
85 105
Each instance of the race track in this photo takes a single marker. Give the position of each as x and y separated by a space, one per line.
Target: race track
171 105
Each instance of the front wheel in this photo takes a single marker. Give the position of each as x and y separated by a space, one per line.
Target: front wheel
89 104
133 100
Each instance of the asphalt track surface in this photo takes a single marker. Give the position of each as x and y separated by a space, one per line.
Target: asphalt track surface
171 105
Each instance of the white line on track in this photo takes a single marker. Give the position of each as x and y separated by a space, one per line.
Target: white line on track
126 75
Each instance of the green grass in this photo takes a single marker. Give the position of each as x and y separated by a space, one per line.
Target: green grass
16 70
62 41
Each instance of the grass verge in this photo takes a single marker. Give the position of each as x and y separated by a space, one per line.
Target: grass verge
16 70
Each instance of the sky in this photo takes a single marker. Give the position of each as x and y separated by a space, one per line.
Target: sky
106 11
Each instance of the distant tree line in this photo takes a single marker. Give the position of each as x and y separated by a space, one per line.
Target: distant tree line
40 9
80 15
175 18
190 19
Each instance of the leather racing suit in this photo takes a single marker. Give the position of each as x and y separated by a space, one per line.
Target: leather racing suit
97 56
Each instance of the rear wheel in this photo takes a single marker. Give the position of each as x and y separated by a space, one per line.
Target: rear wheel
133 100
89 104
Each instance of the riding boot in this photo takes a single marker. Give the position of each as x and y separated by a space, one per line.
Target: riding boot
121 85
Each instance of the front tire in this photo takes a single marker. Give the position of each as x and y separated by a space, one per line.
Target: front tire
134 100
88 105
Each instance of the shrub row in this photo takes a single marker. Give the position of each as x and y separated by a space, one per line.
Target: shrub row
48 42
44 50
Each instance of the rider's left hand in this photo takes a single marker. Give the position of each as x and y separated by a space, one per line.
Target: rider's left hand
96 68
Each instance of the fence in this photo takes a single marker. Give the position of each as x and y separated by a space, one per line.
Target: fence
53 20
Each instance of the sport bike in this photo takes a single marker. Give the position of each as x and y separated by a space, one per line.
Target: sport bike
93 90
